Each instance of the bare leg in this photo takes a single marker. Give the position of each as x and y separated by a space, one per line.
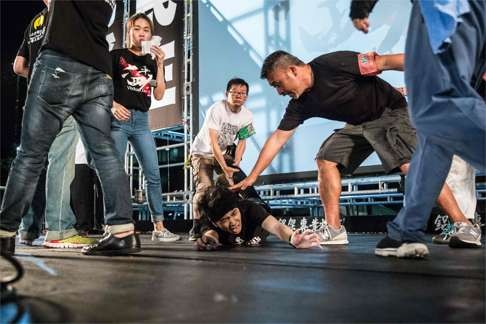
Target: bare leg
329 180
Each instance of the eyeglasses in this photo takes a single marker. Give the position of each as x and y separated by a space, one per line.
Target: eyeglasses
235 94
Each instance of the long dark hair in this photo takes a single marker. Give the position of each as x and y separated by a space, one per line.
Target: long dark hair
131 22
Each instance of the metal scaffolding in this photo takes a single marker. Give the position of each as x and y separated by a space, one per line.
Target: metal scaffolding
188 104
360 191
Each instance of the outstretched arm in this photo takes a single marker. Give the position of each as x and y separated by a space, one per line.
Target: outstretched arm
390 62
297 239
272 146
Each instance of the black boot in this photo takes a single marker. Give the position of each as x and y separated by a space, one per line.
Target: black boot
112 245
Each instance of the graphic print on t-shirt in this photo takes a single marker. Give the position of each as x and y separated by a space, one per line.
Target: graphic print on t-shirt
227 135
38 29
138 80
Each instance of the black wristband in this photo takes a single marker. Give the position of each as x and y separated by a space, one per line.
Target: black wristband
290 240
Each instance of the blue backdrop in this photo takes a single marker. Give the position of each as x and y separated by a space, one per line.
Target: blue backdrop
236 36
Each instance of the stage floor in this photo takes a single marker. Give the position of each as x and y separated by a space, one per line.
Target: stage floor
276 283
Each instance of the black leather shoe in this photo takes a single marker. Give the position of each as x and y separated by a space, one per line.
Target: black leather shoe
112 245
7 245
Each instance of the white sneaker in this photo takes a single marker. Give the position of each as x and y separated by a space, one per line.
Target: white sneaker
330 236
412 250
388 247
165 236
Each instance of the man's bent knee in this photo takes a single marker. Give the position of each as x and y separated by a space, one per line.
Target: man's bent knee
324 165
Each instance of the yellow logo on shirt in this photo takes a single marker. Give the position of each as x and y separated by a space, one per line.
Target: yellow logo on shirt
39 22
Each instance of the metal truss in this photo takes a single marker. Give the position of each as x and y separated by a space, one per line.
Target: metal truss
355 191
187 115
174 134
362 191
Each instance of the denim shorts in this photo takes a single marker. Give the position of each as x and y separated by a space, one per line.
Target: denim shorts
391 136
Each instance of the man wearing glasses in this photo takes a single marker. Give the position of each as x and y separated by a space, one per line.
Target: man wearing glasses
227 125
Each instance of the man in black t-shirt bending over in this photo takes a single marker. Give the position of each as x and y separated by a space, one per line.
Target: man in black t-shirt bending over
233 221
343 86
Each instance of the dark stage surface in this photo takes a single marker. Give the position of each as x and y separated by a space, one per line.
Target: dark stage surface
174 283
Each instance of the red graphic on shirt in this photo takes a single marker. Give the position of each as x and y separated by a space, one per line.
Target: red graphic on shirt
137 79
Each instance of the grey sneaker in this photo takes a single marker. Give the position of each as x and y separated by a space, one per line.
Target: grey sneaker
445 236
165 236
330 236
466 236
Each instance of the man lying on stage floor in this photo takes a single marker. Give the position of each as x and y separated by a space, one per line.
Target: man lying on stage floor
343 86
232 221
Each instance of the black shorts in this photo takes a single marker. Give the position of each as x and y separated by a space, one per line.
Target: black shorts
391 136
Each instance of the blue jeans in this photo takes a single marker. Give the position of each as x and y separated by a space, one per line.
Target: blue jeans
450 116
59 216
61 87
137 131
31 225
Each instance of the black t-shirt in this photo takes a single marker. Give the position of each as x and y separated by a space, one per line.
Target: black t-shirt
33 36
340 92
361 8
131 78
252 217
78 29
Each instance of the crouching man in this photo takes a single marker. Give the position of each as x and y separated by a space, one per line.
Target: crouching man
233 221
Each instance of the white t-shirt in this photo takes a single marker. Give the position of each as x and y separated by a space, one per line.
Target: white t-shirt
227 123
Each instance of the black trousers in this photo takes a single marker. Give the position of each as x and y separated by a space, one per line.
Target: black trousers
86 199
